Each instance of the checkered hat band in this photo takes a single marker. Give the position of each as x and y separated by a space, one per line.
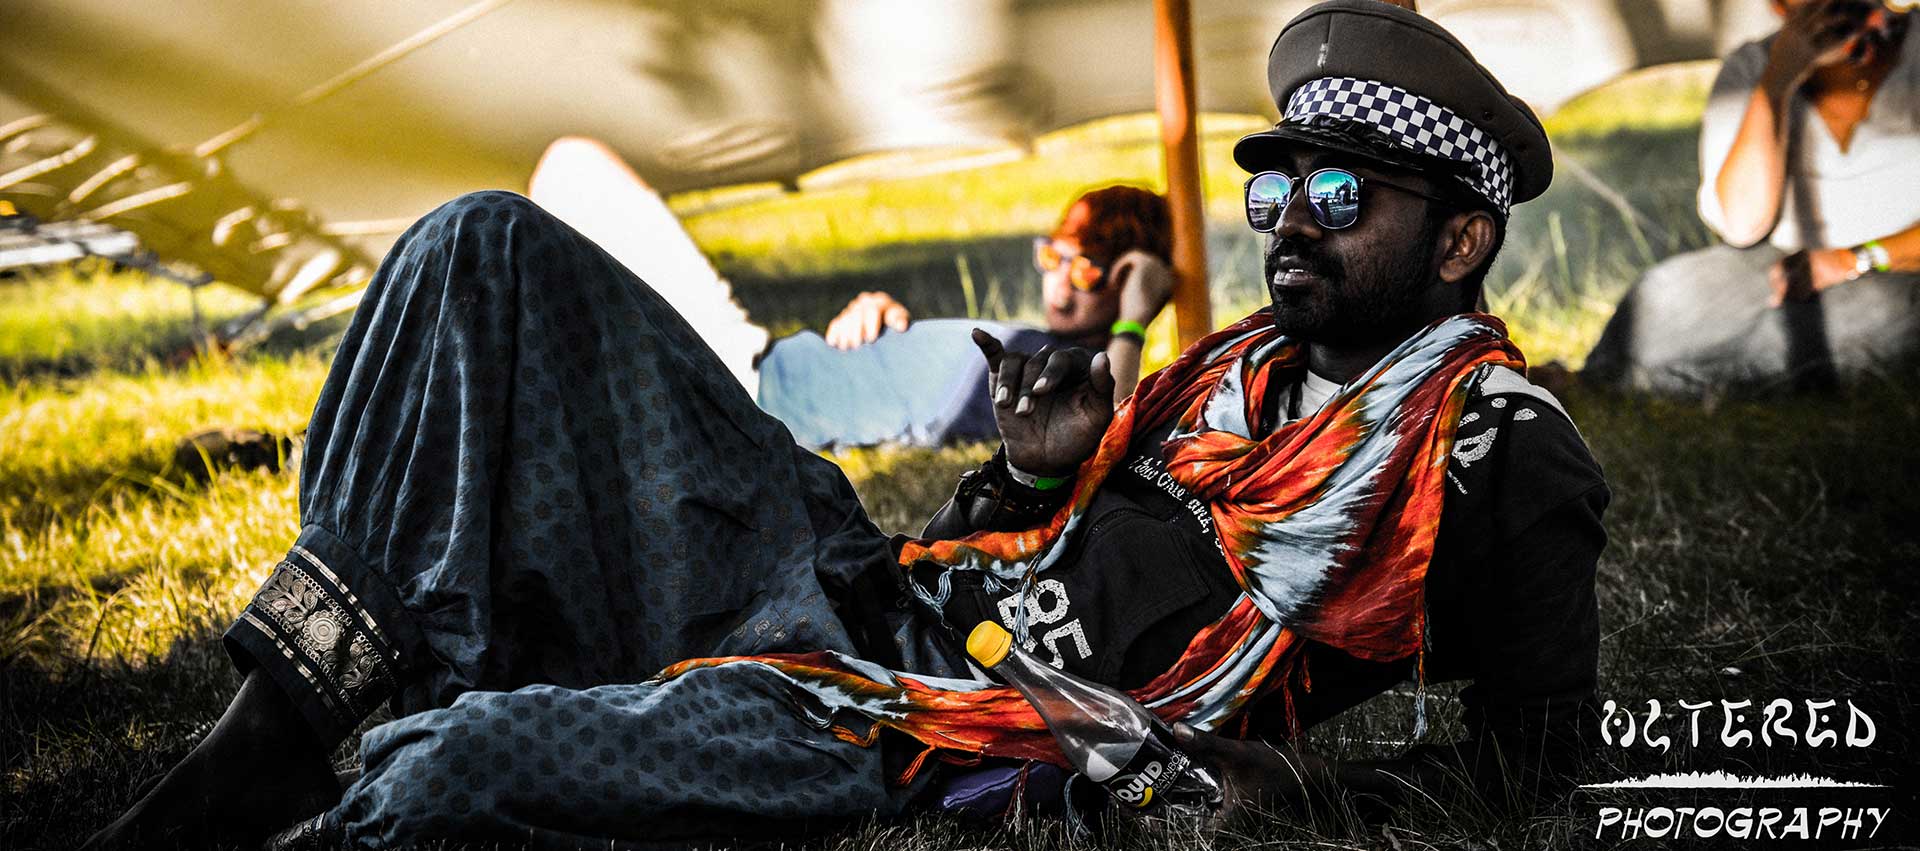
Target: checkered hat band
1415 123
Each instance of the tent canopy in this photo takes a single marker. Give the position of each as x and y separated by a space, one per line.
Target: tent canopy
280 144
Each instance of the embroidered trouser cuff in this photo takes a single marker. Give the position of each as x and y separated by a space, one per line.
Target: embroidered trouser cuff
328 631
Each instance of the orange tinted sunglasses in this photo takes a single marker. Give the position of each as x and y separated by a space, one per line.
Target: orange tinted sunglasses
1081 272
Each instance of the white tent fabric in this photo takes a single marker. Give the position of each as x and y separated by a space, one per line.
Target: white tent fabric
116 111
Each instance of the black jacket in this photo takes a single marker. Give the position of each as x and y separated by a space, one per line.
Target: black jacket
1510 593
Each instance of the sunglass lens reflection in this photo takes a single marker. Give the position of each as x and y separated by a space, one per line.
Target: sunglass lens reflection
1335 196
1045 258
1266 198
1083 275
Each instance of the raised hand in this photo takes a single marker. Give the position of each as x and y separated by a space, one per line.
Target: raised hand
1052 407
1145 285
859 323
1818 34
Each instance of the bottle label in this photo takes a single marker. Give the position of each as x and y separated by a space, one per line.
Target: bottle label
1152 771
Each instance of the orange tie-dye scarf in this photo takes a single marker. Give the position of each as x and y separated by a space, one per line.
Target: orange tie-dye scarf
1328 524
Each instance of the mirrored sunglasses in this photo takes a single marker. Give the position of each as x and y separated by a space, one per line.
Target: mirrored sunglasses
1081 272
1333 197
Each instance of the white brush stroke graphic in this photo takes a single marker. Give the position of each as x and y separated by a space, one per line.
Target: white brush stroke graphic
1723 780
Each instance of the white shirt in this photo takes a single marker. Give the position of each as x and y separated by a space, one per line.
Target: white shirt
1832 198
1315 392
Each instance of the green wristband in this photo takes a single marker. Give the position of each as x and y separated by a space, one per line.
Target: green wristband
1037 482
1128 326
1047 483
1877 255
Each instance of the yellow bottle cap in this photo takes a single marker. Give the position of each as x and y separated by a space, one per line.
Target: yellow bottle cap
989 643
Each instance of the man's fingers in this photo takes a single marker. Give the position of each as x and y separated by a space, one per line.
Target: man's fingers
1777 283
1100 375
897 317
1028 375
1196 743
1184 734
1007 380
1060 369
990 348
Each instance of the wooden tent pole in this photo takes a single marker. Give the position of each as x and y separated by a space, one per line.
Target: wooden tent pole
1173 95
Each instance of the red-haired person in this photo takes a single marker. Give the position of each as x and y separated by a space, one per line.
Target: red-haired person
877 376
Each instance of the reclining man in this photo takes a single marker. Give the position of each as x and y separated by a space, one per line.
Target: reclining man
609 599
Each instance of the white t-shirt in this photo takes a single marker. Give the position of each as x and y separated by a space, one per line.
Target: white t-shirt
1315 393
1832 198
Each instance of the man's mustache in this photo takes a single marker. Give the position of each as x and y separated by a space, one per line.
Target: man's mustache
1302 254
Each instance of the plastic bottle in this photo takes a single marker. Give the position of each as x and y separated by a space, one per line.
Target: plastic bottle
1111 739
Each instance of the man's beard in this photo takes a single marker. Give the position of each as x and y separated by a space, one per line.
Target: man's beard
1376 299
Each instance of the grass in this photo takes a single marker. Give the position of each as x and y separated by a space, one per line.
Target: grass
1758 549
61 440
89 317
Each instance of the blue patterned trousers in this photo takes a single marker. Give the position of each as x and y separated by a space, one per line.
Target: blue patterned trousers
528 486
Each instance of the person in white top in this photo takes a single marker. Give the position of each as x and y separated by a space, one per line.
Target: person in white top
1810 172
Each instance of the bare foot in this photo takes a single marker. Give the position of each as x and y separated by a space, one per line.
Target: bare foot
260 770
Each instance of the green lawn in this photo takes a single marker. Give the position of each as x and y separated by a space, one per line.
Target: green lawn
83 318
1758 549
